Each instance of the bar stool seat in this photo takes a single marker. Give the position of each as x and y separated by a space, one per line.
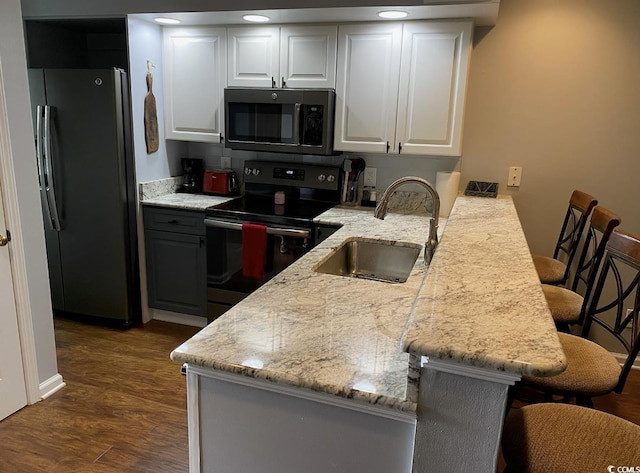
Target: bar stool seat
565 305
550 271
563 438
591 370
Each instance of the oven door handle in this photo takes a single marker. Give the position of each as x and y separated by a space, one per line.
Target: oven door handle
278 231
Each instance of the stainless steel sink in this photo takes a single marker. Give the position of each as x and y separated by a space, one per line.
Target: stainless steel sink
371 259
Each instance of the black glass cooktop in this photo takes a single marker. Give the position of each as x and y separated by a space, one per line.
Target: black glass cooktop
260 209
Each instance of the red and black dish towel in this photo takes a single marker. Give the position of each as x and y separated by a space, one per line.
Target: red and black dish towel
254 250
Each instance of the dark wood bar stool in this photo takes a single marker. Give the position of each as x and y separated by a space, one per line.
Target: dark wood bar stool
591 369
568 306
563 438
555 270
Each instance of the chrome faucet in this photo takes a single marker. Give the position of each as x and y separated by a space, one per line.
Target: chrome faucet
381 211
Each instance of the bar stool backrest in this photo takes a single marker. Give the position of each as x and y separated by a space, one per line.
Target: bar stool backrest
621 276
575 220
601 225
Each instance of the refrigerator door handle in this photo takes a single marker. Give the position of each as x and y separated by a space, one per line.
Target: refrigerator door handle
48 173
40 165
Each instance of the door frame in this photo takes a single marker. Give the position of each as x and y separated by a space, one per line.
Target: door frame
17 255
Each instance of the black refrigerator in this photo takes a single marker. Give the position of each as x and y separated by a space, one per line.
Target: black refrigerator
87 188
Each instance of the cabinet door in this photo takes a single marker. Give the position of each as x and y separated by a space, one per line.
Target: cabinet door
254 56
433 77
308 56
194 81
367 86
176 272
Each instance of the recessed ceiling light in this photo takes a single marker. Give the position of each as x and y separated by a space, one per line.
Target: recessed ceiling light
392 14
256 18
166 21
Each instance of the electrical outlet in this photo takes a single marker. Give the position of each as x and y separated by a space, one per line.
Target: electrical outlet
225 162
370 176
515 176
629 327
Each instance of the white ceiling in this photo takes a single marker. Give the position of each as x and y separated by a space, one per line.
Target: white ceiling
483 12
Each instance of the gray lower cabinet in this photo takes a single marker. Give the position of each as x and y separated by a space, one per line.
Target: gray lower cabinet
176 260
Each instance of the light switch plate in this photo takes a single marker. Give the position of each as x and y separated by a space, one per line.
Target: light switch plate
515 176
225 162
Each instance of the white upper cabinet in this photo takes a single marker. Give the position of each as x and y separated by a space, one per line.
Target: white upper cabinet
308 56
367 86
402 90
433 82
254 56
194 80
296 56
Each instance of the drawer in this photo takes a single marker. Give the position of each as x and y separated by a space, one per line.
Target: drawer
173 220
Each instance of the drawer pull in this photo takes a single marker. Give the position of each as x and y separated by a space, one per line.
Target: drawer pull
174 222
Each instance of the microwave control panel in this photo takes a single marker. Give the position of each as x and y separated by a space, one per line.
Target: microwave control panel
313 122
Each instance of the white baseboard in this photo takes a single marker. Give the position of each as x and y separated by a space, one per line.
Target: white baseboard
51 386
177 318
622 358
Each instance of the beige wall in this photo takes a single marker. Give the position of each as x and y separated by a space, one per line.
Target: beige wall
555 88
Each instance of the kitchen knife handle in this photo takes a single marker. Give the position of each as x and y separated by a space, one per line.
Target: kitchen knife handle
48 161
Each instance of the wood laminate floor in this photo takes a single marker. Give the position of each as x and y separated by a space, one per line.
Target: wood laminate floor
124 407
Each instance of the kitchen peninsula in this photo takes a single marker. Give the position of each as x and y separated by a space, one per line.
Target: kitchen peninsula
316 372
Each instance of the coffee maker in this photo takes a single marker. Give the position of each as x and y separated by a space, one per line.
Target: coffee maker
193 169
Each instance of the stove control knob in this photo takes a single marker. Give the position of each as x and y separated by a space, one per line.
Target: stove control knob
247 171
322 177
331 178
256 171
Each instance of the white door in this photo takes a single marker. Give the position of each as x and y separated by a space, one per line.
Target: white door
254 56
367 87
195 74
12 385
308 56
433 78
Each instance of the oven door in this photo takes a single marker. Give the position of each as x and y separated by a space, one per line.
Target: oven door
226 284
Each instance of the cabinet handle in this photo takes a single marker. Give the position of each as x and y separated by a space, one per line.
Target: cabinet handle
399 147
284 84
173 222
387 147
201 242
273 83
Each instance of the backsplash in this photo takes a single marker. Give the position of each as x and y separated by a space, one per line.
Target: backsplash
153 189
411 198
401 201
389 167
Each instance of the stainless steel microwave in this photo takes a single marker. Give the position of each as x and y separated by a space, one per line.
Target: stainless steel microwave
280 120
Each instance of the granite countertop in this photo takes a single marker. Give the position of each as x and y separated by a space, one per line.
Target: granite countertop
186 201
480 303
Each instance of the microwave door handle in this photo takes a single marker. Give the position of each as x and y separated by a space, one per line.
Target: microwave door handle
296 124
48 162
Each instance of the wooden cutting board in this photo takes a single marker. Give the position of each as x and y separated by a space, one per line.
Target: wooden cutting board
150 118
